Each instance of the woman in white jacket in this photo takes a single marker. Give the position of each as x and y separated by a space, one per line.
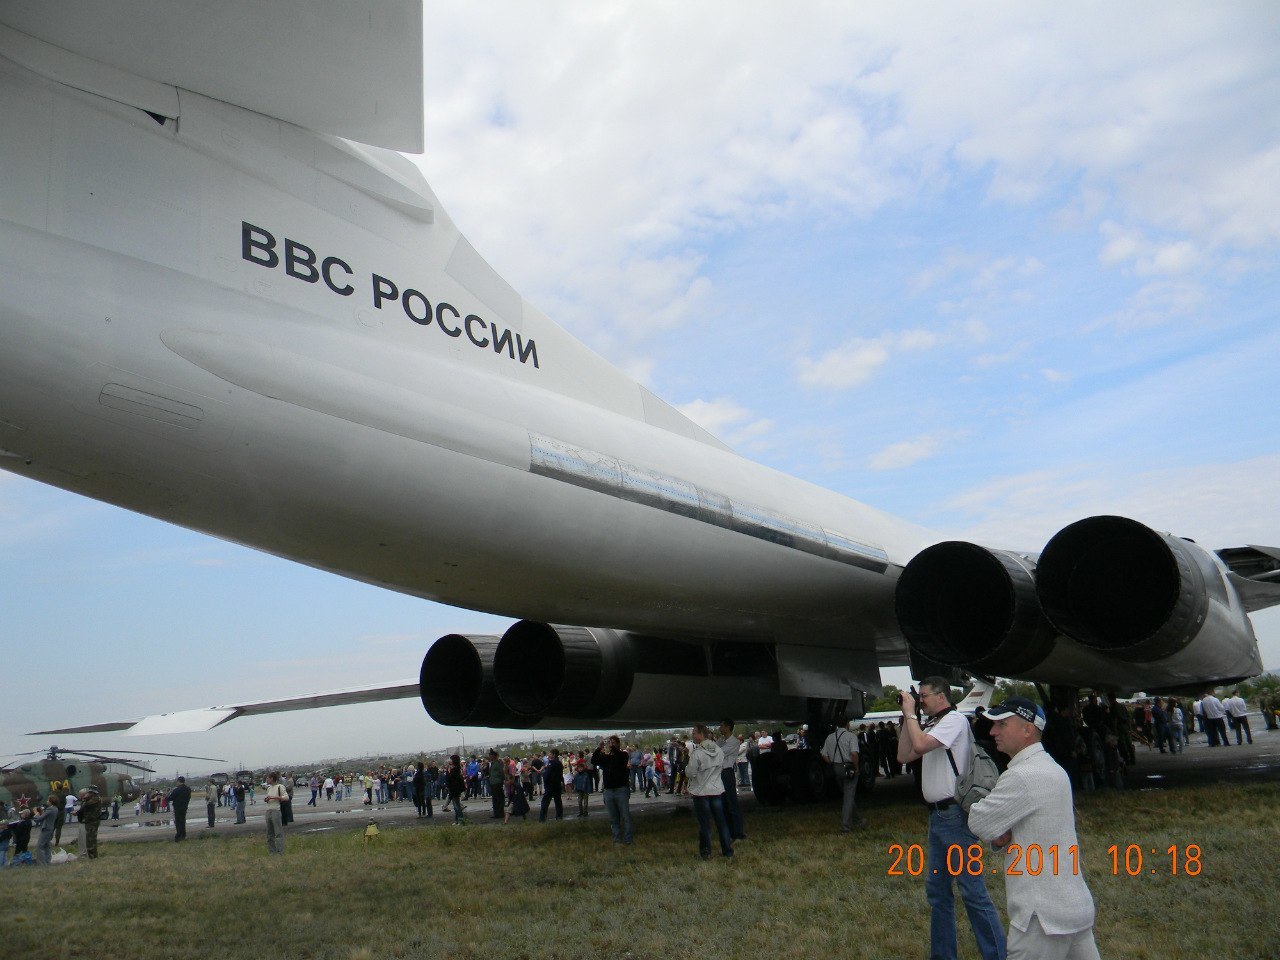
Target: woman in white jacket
707 790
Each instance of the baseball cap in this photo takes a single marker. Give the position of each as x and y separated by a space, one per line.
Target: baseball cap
1018 707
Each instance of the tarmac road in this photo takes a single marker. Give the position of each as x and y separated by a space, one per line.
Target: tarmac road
1197 766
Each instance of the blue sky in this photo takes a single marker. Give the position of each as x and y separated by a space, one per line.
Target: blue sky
992 269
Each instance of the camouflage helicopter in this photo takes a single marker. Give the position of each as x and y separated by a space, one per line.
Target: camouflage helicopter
30 783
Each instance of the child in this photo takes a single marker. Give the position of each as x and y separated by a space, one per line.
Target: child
582 786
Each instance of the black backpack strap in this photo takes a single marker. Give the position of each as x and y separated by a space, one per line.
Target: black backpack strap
954 768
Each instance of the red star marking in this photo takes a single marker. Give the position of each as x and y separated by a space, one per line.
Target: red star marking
24 800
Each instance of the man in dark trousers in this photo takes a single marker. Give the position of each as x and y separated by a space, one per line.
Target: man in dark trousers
90 813
553 786
497 774
179 800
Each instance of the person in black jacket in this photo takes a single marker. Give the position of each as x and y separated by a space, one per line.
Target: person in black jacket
455 784
614 765
553 786
179 800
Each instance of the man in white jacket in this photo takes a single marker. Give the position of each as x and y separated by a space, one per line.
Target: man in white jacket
707 790
1030 815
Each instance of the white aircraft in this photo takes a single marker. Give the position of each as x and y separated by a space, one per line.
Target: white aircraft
229 303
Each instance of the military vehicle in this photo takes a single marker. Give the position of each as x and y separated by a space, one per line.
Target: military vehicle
29 784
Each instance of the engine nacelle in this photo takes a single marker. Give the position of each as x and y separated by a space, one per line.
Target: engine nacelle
545 669
556 676
967 606
1109 603
1144 597
457 687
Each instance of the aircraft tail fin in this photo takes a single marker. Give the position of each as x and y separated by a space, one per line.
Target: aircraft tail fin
979 696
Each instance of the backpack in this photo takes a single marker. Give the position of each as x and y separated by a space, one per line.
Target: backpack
978 779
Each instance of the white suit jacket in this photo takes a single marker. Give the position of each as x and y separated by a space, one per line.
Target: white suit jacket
1032 799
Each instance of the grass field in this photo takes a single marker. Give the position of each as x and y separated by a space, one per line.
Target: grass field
797 889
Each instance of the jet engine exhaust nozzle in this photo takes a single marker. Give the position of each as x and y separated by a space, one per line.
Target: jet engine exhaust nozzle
457 687
1117 585
966 606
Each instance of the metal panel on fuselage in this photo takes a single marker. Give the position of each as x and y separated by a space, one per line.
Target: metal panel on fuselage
387 479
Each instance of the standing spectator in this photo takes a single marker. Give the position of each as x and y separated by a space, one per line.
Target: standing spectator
420 800
553 786
582 786
456 785
744 766
286 805
328 787
274 797
1215 724
179 799
1050 914
636 764
1238 711
614 763
211 795
497 777
706 785
652 776
945 738
90 814
729 745
314 784
46 820
1173 717
673 759
238 794
841 751
1160 724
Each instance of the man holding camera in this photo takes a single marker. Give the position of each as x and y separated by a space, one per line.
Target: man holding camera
946 731
841 751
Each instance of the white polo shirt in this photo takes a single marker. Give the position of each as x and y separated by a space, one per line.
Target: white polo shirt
937 779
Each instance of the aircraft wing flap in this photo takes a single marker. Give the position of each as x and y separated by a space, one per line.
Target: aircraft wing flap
1255 595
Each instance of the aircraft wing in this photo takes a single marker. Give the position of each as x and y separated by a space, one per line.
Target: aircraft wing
206 718
1255 573
350 69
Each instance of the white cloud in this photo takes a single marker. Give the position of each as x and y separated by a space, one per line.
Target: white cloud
588 175
857 359
905 453
724 418
1217 504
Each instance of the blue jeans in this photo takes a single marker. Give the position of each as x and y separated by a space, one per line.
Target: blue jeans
947 827
239 811
707 808
617 802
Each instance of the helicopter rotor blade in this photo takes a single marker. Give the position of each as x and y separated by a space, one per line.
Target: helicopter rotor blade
146 753
101 753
